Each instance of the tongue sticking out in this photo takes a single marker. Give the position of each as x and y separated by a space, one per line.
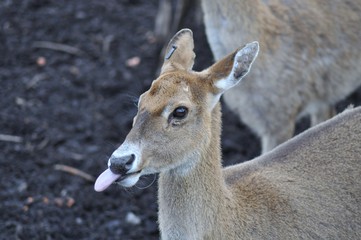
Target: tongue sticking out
104 180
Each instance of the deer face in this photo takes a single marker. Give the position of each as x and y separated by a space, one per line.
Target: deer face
173 123
171 126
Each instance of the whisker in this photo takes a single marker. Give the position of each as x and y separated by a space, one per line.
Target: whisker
132 98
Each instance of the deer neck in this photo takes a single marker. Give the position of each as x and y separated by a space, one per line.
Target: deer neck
185 200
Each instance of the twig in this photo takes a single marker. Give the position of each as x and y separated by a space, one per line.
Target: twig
106 43
74 171
10 138
37 78
58 47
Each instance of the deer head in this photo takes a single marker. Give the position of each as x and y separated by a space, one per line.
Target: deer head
173 126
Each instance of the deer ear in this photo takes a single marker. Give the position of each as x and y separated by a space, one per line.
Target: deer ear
229 71
179 53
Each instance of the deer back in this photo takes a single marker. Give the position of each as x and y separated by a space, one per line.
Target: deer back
309 186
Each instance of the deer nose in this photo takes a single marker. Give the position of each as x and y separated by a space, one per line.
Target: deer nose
121 165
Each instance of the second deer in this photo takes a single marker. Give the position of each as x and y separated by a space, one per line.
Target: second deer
310 59
307 188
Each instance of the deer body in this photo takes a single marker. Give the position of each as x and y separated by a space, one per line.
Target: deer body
307 188
310 59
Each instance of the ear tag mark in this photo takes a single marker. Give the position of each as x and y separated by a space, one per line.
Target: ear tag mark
171 51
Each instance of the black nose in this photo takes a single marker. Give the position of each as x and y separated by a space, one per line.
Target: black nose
121 165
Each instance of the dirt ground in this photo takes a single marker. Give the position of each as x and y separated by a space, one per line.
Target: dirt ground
71 105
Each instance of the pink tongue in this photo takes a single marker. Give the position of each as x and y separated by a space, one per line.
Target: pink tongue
104 180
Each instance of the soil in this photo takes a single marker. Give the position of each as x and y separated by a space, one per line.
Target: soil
70 106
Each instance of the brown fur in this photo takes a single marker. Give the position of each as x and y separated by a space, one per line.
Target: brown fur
307 188
310 59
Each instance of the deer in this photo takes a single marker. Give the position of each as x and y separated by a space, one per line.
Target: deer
308 187
309 62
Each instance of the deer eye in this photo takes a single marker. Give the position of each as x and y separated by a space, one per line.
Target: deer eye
180 113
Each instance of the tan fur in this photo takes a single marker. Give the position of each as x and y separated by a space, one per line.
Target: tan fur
309 187
310 59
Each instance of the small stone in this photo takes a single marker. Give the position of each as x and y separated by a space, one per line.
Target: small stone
29 200
25 208
22 186
70 202
133 62
59 201
133 219
41 61
45 200
79 221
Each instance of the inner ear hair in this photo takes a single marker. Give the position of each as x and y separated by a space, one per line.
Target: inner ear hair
229 71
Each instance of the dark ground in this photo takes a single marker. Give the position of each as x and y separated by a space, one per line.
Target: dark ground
75 109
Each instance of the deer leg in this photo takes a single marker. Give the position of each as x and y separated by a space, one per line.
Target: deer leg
322 113
272 140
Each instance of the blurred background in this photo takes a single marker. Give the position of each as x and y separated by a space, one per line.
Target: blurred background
70 76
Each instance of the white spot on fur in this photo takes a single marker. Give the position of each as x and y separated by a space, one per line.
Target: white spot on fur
131 180
225 83
167 110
